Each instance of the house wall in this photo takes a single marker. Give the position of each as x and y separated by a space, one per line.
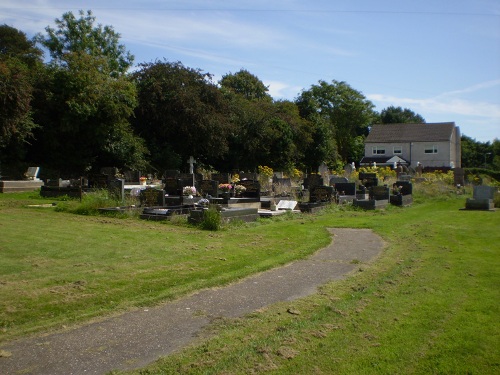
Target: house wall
415 152
439 159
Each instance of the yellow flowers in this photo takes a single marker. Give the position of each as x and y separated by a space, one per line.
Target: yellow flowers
266 171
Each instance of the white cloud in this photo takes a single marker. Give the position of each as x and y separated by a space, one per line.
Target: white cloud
281 90
440 104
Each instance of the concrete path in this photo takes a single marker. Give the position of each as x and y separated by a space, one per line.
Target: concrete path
137 338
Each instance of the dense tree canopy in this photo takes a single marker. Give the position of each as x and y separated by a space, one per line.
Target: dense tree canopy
15 44
81 36
19 64
246 84
398 115
84 100
181 112
347 112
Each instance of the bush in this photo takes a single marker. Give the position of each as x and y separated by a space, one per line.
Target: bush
211 219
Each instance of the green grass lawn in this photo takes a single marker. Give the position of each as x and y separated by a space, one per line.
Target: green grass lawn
428 304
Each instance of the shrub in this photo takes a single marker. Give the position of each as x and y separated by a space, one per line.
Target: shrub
211 219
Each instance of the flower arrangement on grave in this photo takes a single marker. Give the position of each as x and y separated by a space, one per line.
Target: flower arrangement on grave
188 190
143 180
225 187
238 189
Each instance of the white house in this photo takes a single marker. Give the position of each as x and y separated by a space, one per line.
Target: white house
432 145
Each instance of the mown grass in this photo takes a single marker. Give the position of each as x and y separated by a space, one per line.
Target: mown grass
429 304
58 268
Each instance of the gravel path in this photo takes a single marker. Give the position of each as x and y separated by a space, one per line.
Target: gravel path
137 338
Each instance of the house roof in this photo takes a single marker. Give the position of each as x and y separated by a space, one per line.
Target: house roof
391 133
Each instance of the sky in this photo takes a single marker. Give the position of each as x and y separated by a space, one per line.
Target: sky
439 58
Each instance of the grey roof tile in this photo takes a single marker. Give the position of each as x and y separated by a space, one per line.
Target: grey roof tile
393 133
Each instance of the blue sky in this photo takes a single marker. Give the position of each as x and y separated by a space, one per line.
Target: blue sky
439 58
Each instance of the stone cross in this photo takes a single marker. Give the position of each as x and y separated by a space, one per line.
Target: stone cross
191 163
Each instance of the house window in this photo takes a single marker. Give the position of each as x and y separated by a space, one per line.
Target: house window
431 149
378 150
397 150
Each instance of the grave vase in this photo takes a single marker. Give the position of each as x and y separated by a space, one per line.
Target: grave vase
226 196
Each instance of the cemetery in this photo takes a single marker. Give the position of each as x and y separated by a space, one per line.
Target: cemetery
244 196
170 259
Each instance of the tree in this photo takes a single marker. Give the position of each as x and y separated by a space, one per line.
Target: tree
398 115
476 154
84 101
181 112
15 45
346 112
81 36
246 84
495 147
20 61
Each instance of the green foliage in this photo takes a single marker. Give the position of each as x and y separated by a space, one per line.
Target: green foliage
482 173
398 115
246 84
85 114
82 37
180 113
480 154
211 219
345 111
19 63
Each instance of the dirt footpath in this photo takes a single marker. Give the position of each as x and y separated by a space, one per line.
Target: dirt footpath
137 338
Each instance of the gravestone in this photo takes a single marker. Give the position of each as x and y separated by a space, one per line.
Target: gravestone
321 194
349 168
337 179
252 188
111 172
172 186
286 205
98 181
312 181
368 179
32 173
380 193
208 187
132 176
116 188
345 188
402 194
482 198
150 197
221 178
171 173
189 179
459 176
323 170
282 186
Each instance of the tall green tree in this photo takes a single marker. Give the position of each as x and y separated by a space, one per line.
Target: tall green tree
181 113
84 101
398 115
345 110
82 36
246 84
20 63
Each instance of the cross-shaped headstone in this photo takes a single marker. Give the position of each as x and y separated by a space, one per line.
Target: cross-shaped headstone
191 163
